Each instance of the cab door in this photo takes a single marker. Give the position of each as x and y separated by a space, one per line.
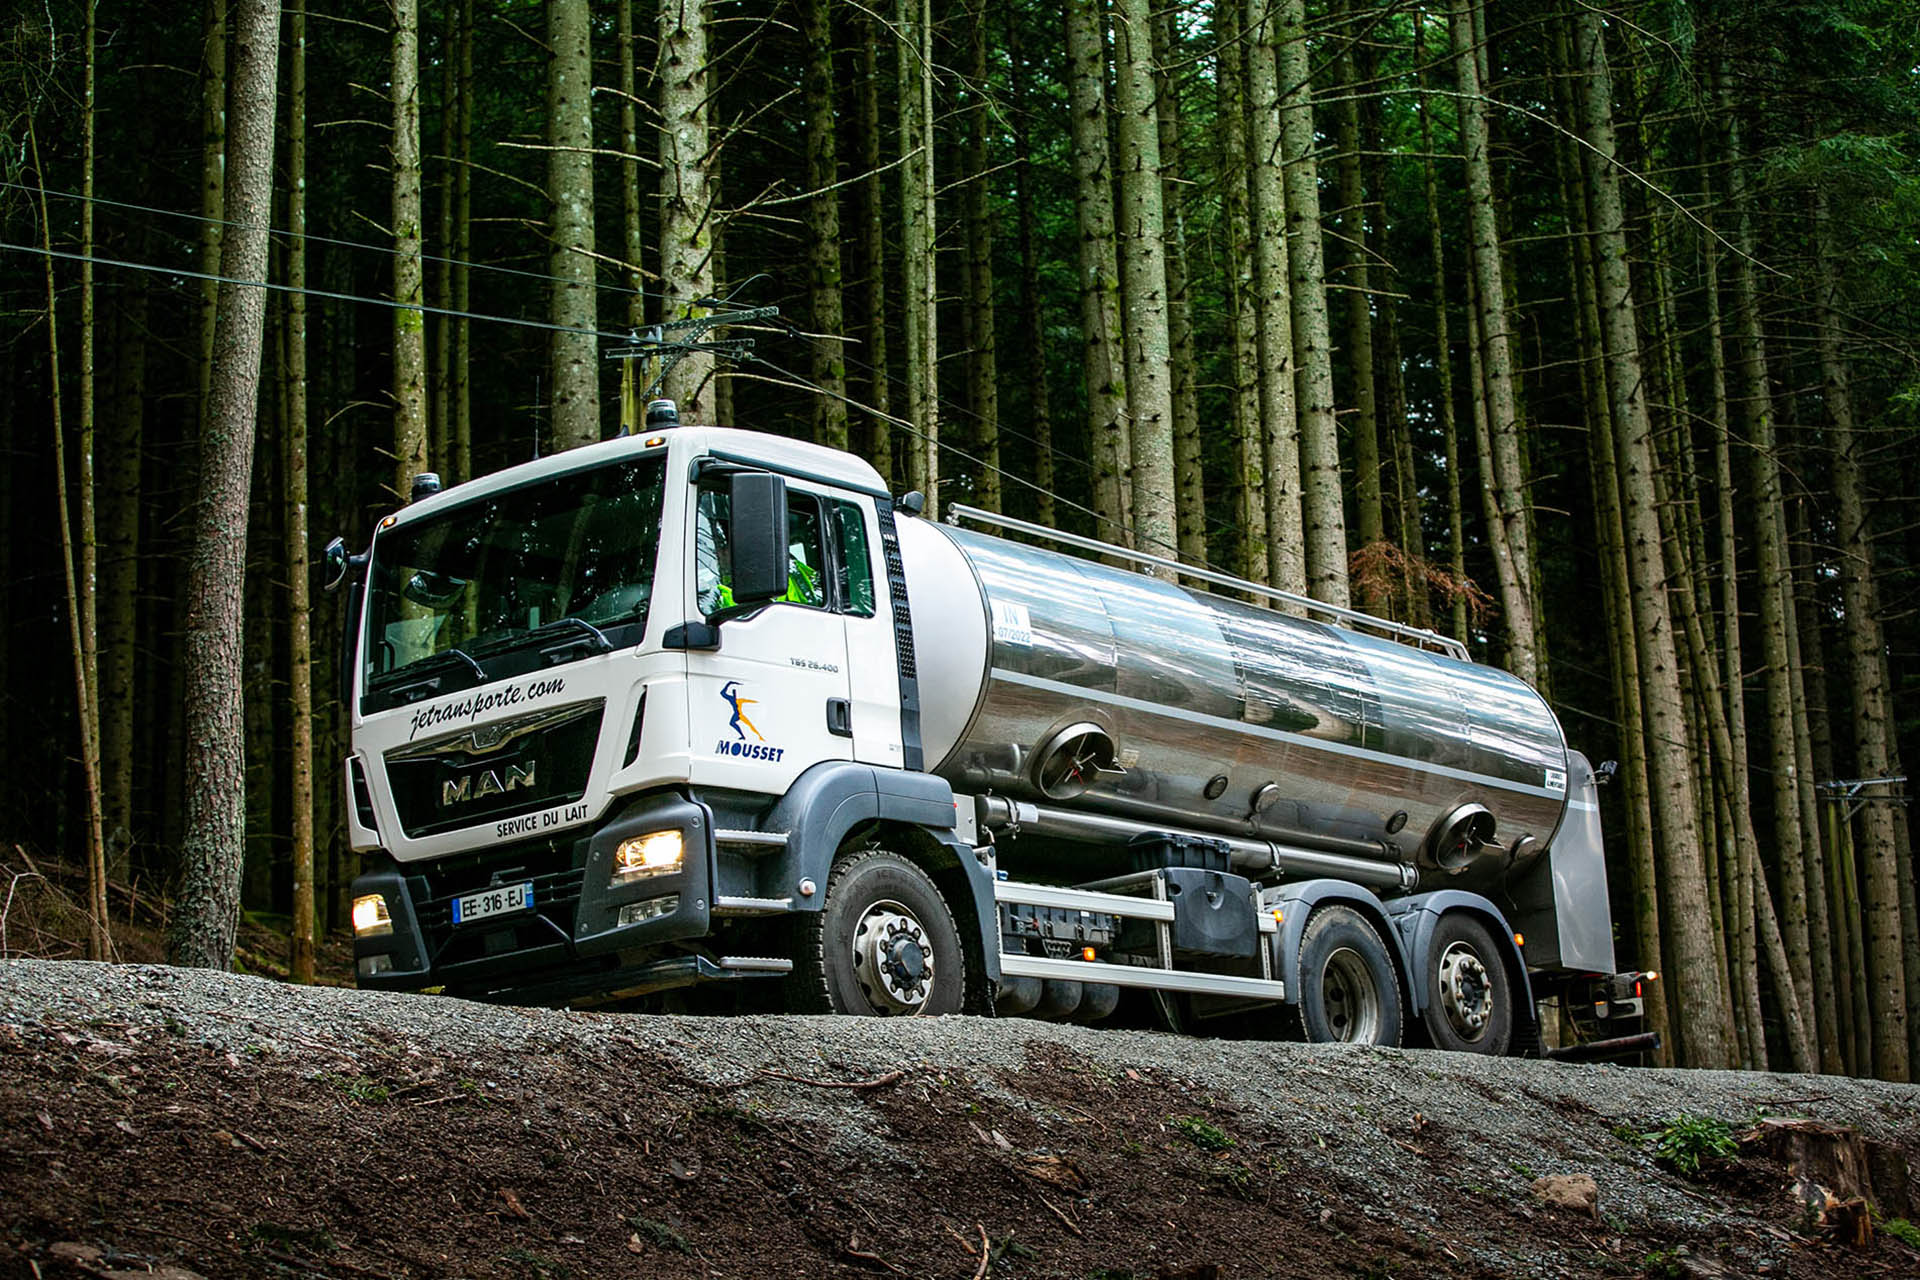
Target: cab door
773 699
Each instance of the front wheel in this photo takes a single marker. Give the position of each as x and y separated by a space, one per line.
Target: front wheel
882 945
1349 987
1469 995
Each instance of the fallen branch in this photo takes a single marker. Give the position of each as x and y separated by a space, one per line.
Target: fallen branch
1055 1210
986 1253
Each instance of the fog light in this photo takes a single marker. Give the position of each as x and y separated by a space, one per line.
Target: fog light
659 854
370 916
374 966
650 909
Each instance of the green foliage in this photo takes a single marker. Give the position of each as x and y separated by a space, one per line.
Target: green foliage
1201 1134
1686 1142
358 1088
1903 1231
659 1234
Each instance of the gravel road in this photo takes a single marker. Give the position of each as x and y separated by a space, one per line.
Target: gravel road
1419 1156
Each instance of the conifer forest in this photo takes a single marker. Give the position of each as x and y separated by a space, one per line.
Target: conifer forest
1585 333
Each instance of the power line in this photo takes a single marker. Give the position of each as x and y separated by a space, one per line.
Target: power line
310 236
277 287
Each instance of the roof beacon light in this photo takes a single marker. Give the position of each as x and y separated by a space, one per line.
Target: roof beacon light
662 414
425 485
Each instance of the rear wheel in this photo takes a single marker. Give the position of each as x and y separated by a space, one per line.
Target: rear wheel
1469 995
1349 987
883 944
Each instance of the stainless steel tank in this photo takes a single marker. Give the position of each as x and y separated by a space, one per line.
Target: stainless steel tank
1077 686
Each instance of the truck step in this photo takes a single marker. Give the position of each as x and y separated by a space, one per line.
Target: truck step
745 966
732 906
760 839
1126 975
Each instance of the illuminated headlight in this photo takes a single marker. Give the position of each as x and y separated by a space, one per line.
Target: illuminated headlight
650 909
370 916
659 854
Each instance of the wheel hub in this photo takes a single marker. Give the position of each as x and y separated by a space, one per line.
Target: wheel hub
1351 1000
1466 992
892 959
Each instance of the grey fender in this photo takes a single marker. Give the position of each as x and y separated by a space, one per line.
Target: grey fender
1414 918
1297 901
832 799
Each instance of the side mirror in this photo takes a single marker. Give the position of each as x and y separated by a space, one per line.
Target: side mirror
340 564
757 536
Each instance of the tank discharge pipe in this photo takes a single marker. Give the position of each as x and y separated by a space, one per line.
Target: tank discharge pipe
1255 857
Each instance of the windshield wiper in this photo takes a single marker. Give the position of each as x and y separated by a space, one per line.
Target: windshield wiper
425 677
590 637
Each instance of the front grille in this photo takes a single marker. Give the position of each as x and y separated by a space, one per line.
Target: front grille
496 770
554 868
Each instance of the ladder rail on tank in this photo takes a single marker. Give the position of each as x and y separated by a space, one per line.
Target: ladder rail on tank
1140 896
1418 637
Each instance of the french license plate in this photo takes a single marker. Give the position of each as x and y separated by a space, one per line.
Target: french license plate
501 900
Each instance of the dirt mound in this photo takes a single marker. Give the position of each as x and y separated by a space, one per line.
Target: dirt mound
222 1126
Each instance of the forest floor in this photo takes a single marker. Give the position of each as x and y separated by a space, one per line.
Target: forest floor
158 1121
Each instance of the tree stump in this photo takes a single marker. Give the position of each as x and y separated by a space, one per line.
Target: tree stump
1835 1172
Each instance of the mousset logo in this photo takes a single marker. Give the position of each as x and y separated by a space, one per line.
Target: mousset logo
742 726
487 782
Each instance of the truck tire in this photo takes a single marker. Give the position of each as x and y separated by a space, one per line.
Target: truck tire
883 943
1469 993
1349 986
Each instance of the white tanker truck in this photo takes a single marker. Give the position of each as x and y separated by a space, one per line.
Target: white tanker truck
704 708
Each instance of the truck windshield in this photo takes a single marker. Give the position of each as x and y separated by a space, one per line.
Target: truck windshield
520 579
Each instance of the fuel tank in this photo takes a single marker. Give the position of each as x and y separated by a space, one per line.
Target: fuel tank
1078 686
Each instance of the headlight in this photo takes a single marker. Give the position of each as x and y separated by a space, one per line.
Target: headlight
370 916
658 854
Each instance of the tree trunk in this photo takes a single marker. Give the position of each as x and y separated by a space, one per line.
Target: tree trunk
828 365
1443 353
1696 978
99 944
1322 509
1505 478
1236 164
1190 499
409 337
1032 327
213 180
1872 703
1279 388
459 461
1099 274
99 941
573 351
299 608
631 217
914 69
1142 241
686 203
873 239
205 918
1355 277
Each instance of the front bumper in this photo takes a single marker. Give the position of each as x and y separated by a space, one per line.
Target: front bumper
569 943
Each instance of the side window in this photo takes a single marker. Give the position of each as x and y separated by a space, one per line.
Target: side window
856 565
806 553
713 565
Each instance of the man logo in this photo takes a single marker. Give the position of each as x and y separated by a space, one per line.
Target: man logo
731 692
488 782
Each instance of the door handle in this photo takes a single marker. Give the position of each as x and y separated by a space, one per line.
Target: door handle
840 717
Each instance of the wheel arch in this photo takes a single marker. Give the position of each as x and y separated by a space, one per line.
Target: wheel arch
1297 902
840 805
